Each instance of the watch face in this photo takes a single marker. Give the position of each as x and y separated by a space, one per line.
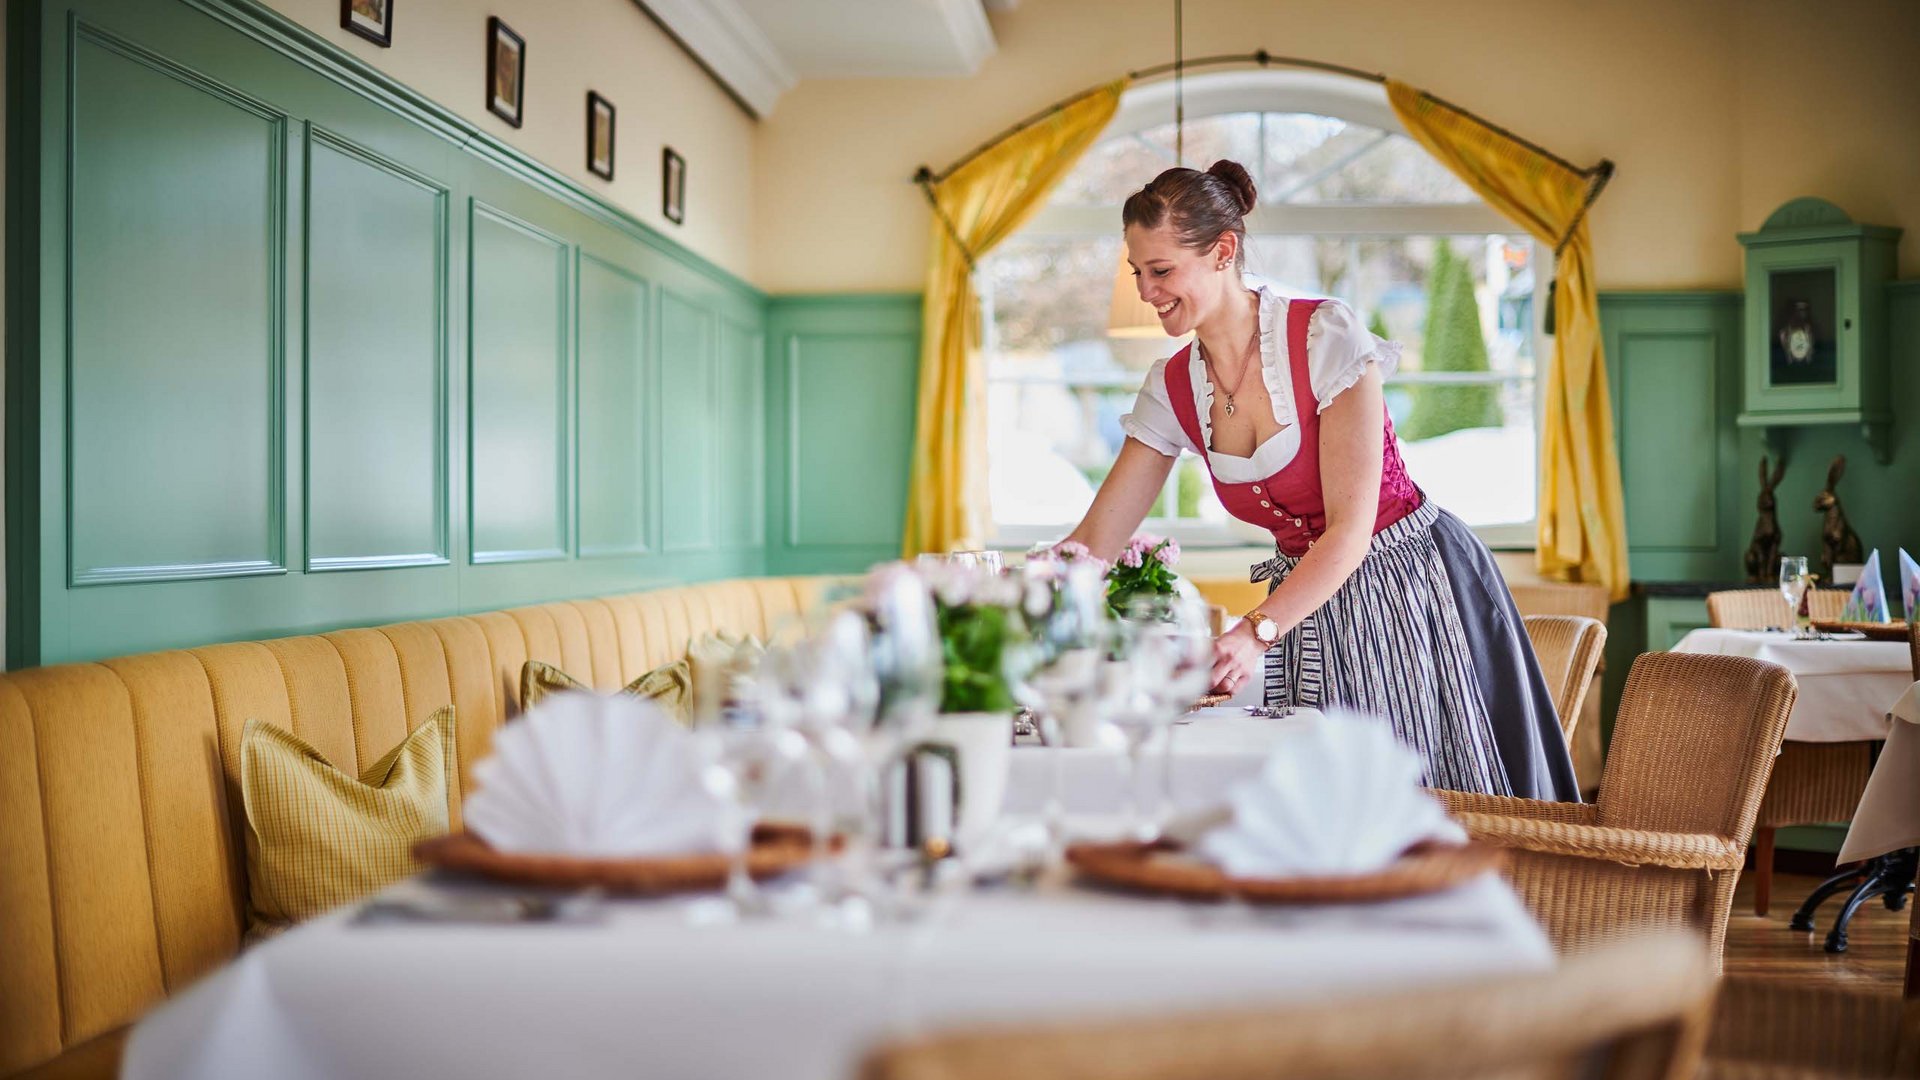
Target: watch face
1799 343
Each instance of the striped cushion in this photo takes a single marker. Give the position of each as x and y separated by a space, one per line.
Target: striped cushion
670 686
317 837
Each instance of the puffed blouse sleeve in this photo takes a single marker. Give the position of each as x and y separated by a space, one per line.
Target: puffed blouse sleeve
1339 348
1152 421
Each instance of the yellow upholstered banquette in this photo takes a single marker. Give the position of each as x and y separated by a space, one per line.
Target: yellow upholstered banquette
122 853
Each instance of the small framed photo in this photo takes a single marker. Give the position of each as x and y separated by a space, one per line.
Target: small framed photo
371 19
506 71
673 186
599 136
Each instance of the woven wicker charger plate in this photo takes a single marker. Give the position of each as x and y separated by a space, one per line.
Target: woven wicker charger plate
1164 868
1875 631
1207 701
776 850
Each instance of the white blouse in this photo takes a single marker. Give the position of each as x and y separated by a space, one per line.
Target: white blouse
1339 348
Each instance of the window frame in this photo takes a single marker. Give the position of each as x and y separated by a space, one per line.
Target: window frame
1271 91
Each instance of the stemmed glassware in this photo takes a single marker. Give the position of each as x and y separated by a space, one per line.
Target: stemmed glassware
748 742
1793 588
1059 674
1167 665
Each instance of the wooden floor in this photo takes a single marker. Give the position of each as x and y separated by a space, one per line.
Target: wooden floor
1765 948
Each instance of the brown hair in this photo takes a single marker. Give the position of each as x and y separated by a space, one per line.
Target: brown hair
1201 207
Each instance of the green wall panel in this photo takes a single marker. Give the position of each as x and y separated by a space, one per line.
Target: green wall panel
177 230
404 396
843 380
615 399
689 432
519 360
1673 365
742 435
375 361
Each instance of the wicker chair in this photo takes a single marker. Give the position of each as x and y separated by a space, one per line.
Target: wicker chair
1693 742
1812 783
1638 1009
1569 648
1589 601
1758 609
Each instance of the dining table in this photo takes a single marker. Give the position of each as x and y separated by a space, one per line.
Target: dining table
1846 683
657 987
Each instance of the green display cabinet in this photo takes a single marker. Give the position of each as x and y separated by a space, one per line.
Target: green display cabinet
1816 322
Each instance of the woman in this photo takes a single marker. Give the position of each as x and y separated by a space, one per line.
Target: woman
1380 600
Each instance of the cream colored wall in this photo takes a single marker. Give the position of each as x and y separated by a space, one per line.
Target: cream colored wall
1716 111
662 98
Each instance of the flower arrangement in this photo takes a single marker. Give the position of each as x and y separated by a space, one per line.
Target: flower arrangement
982 632
1144 569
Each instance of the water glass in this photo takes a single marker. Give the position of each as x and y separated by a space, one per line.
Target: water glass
1793 588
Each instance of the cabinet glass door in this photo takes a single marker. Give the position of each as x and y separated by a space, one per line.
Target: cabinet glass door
1803 346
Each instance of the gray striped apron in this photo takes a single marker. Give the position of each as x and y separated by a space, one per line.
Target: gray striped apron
1391 643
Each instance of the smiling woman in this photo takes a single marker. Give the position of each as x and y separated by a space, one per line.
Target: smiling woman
1348 207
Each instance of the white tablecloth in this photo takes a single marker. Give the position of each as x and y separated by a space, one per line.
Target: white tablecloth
1889 815
1217 748
1846 686
647 994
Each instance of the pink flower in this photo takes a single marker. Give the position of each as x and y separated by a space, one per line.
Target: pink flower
1069 550
1169 553
1132 556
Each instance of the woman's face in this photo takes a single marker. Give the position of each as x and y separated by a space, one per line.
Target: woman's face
1182 284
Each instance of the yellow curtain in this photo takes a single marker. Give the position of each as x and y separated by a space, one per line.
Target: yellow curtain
978 206
1582 520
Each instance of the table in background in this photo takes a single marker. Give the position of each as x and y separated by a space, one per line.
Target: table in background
1216 748
644 993
1845 686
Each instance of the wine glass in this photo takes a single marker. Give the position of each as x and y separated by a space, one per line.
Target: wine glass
1058 676
1170 654
1793 588
746 745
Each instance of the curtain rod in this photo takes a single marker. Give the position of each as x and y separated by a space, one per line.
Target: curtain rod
1599 174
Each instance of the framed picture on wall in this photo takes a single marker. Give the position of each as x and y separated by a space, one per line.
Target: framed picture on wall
599 136
506 71
673 186
371 19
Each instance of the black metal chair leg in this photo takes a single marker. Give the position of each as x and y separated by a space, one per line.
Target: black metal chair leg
1838 883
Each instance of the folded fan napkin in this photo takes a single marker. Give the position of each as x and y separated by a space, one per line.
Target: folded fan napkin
1341 797
1909 586
580 774
1868 601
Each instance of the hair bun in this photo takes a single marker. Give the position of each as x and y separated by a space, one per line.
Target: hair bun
1235 175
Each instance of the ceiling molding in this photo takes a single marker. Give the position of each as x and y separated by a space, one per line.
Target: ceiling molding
724 40
972 34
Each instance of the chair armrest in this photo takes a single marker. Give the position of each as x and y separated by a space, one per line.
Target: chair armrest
1472 802
1630 847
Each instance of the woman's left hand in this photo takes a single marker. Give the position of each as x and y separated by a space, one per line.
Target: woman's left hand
1236 659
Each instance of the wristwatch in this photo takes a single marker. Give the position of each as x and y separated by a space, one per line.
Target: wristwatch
1265 630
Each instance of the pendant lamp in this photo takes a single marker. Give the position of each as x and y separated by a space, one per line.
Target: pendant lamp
1128 316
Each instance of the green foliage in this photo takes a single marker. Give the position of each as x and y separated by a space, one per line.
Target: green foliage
975 640
1153 577
1453 343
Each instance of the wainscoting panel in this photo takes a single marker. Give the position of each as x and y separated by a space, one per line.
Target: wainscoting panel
376 361
742 435
178 229
844 379
689 431
518 375
234 426
1673 361
616 425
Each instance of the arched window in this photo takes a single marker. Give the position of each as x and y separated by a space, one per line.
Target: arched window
1350 207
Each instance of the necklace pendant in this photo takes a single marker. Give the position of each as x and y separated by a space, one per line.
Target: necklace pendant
1229 404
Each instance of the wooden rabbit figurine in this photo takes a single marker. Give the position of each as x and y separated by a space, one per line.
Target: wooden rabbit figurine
1763 554
1838 542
